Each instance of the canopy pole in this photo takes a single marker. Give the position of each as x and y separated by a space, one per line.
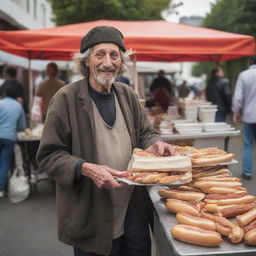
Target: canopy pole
30 88
217 62
135 77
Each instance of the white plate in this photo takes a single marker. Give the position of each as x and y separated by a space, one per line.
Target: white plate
215 124
185 125
189 132
222 129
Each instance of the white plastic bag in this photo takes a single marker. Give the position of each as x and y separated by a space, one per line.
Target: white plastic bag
18 186
36 111
18 189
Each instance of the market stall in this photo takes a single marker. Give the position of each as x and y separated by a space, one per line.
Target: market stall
160 41
216 214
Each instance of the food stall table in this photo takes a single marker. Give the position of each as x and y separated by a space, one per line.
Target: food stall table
167 245
203 139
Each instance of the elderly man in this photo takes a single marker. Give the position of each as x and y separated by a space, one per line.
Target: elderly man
91 128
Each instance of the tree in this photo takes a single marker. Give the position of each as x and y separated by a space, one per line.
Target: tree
232 16
75 11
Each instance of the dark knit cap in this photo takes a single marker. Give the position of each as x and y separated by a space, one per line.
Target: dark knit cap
102 34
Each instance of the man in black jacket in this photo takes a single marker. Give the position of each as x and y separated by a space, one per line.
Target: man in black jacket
218 92
161 90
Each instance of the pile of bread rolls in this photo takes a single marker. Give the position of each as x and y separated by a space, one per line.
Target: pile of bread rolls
147 168
204 156
204 206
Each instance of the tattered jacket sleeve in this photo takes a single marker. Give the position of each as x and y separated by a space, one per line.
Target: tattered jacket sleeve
54 153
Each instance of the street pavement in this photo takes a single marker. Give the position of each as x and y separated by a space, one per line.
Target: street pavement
29 228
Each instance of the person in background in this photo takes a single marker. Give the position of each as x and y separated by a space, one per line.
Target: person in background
48 87
12 119
90 131
162 90
218 92
123 79
244 109
183 90
10 78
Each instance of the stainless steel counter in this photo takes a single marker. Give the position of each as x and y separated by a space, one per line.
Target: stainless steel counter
168 246
202 135
203 139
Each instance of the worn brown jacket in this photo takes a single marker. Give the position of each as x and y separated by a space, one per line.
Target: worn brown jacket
84 211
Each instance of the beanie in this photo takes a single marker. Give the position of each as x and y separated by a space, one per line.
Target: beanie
102 34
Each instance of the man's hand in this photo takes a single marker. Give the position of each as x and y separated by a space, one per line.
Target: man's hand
161 149
102 175
236 118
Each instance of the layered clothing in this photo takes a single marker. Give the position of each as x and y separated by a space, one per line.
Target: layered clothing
85 212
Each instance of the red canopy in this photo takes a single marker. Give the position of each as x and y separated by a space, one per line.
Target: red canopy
150 40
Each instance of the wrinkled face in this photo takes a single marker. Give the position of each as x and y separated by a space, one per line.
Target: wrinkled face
104 64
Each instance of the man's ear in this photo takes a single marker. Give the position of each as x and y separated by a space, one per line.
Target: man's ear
86 62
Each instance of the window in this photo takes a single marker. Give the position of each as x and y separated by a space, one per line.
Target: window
35 9
28 6
43 8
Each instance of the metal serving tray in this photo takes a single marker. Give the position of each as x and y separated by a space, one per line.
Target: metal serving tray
168 246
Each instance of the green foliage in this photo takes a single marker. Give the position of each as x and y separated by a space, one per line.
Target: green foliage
75 11
237 16
202 68
233 16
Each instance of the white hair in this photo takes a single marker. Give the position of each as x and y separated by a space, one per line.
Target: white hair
79 60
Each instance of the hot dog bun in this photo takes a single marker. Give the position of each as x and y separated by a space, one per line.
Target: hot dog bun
229 211
222 190
203 173
182 195
246 218
177 206
226 196
251 225
187 219
250 237
240 200
216 178
194 235
226 227
153 178
210 183
188 188
212 159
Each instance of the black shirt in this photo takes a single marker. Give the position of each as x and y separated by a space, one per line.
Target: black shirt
105 104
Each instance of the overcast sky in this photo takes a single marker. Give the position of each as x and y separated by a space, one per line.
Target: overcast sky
191 8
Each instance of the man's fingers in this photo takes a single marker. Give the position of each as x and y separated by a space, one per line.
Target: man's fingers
117 173
170 150
160 149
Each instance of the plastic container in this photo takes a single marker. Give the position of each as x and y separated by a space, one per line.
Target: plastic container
207 115
191 115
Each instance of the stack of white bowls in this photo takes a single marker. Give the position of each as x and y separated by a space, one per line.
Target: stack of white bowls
166 127
172 112
191 111
188 128
217 127
207 113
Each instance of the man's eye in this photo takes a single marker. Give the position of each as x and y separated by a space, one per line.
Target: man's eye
99 54
114 55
